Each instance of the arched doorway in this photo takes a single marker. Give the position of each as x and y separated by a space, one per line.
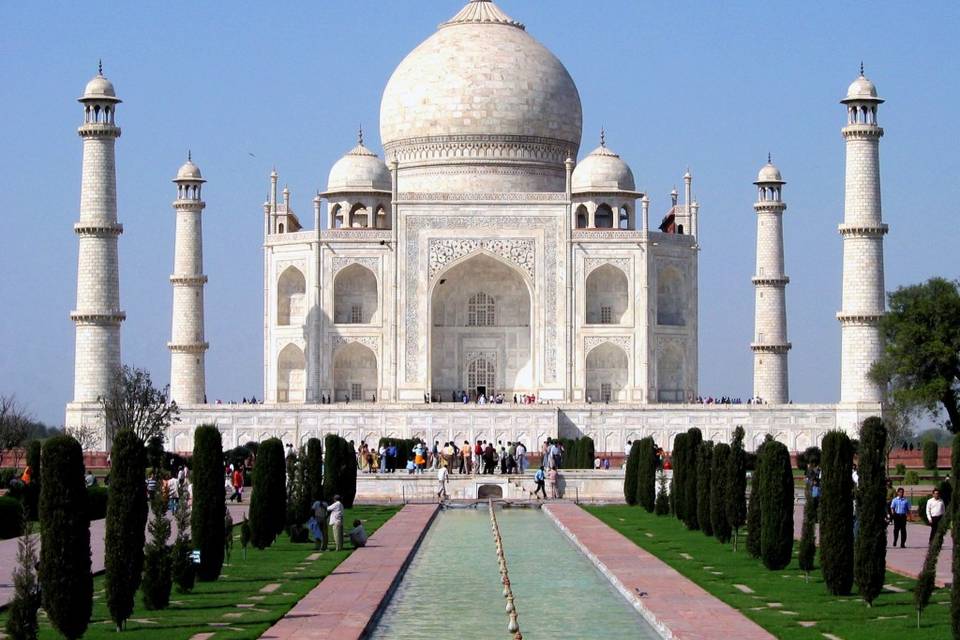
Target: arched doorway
355 299
291 374
606 295
481 334
291 297
607 373
355 374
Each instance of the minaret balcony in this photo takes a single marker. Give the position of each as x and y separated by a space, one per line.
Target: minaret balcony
864 230
193 347
98 318
98 230
865 318
771 281
757 347
98 130
769 206
189 205
862 131
188 280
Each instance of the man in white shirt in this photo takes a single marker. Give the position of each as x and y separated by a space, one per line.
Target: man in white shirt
935 511
335 518
442 476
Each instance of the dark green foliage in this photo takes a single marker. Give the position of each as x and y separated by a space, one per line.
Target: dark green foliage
227 534
268 505
678 460
11 517
901 469
97 499
155 452
126 519
922 509
836 513
340 469
809 457
735 501
206 525
587 452
954 516
690 515
237 456
22 621
926 581
662 507
718 492
31 493
870 549
183 570
704 467
631 474
776 506
946 491
647 474
313 471
754 523
65 577
807 551
245 535
404 451
930 453
157 576
349 474
298 507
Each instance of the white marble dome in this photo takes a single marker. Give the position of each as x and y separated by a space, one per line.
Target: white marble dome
769 173
99 88
189 172
862 89
481 91
602 170
360 169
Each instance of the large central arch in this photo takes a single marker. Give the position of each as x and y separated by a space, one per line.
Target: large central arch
480 319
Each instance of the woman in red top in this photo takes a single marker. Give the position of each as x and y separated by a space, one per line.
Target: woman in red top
237 481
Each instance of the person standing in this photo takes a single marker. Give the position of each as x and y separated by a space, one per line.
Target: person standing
522 457
320 515
442 476
935 510
899 509
335 515
466 457
237 481
173 494
552 481
539 477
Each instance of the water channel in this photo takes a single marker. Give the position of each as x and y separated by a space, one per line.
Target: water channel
452 587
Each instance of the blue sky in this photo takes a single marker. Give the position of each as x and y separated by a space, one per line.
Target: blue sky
711 85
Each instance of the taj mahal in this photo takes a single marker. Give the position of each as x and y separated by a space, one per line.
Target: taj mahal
490 249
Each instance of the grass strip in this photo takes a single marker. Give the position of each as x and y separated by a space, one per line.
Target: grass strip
782 602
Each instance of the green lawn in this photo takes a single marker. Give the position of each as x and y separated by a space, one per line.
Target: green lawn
717 569
212 606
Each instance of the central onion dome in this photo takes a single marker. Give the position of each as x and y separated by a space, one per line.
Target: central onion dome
479 100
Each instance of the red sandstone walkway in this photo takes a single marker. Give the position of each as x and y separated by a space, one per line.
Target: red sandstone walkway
344 603
677 607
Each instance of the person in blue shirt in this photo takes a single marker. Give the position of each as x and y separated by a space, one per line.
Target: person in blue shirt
899 509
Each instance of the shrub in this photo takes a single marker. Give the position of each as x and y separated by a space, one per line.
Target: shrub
126 520
313 471
922 509
31 493
268 504
348 491
632 474
298 509
901 469
754 523
718 492
677 457
647 474
694 438
157 577
836 513
340 469
870 549
22 621
206 524
807 551
245 535
911 477
227 534
11 517
930 453
183 570
926 581
810 456
65 578
776 506
97 499
662 506
704 466
735 500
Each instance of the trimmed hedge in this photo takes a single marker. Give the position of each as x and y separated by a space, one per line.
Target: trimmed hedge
631 474
11 518
313 472
268 505
647 474
776 506
718 492
689 495
97 499
870 549
735 501
836 513
930 453
209 501
704 467
31 493
807 551
754 521
340 469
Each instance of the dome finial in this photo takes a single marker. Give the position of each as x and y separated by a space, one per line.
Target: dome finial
99 66
603 137
861 68
360 135
769 158
189 156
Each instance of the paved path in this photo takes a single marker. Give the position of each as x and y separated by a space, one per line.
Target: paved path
8 551
673 604
907 561
346 601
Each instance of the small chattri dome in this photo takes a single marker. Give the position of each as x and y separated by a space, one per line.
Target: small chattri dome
99 88
360 169
769 174
189 172
862 90
602 170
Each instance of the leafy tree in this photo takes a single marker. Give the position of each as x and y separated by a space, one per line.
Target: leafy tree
206 525
183 571
586 450
14 424
735 500
836 513
810 456
776 506
870 549
157 569
662 506
930 454
155 452
632 474
646 474
718 492
134 403
694 438
704 467
921 357
126 519
677 458
22 621
807 551
298 508
31 492
340 469
754 522
65 578
313 470
268 505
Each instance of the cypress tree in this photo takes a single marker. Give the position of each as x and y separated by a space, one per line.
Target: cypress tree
588 452
836 513
718 492
663 500
807 551
931 452
694 438
735 500
704 466
348 490
776 506
332 465
954 517
183 571
870 549
268 504
126 520
206 523
646 480
313 470
926 581
157 576
65 578
22 622
754 521
31 493
631 475
677 457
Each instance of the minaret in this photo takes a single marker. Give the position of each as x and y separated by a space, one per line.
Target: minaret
97 316
187 346
770 346
862 231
